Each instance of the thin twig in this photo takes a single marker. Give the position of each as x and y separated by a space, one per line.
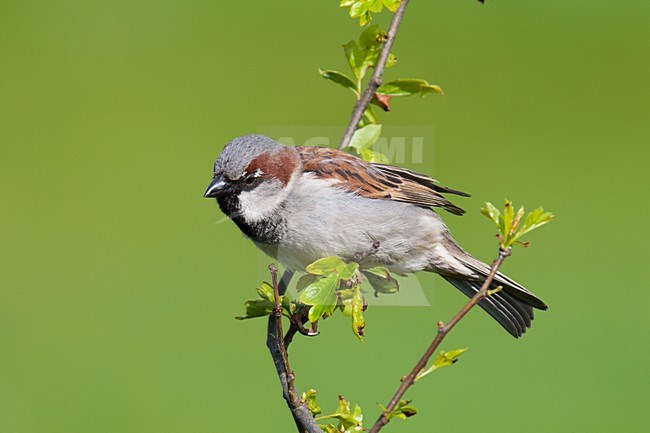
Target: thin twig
376 79
276 343
277 313
443 330
303 418
297 326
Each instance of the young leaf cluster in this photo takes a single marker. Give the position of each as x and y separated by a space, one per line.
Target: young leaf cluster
512 226
381 280
321 289
309 399
402 410
332 283
349 421
363 9
442 360
362 55
266 305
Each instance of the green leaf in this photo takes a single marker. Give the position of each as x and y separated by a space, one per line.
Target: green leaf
391 60
321 292
316 312
288 306
372 57
266 292
509 225
392 5
517 220
340 78
309 398
407 87
343 413
257 308
448 358
304 281
381 280
365 19
372 38
352 305
321 295
346 296
402 410
346 271
493 213
266 305
362 9
358 322
376 6
325 266
359 8
349 421
329 428
442 360
356 58
507 218
534 220
365 52
372 156
371 43
365 137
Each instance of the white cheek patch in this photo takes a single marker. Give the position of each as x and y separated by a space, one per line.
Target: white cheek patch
260 203
257 205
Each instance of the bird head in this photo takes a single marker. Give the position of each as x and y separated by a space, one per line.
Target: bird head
253 176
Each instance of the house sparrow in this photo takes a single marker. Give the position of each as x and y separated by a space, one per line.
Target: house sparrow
299 204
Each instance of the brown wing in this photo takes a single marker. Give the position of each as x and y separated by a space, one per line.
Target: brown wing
378 181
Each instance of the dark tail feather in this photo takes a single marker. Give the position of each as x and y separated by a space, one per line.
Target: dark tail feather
519 292
512 307
513 314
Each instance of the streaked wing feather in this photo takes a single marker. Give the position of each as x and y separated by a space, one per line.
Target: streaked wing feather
419 178
377 181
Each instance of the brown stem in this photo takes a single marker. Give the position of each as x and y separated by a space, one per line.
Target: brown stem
443 330
303 418
376 79
276 343
297 326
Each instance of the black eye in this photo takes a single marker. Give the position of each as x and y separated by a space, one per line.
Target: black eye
250 180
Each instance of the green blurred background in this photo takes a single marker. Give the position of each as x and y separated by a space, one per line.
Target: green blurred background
118 291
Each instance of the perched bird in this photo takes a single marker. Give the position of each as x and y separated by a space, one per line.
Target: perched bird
299 204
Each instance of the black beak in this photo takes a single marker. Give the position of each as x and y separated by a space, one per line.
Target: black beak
216 187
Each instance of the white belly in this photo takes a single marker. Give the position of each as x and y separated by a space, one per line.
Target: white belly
336 223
